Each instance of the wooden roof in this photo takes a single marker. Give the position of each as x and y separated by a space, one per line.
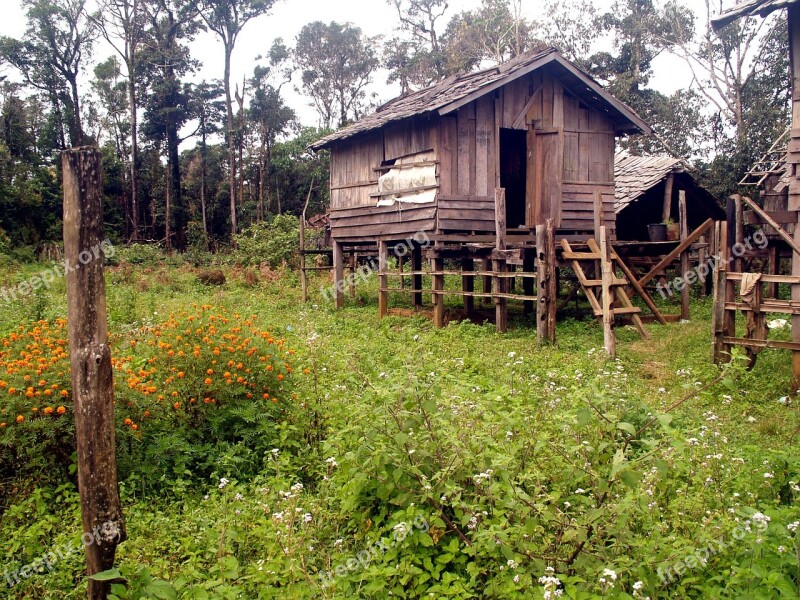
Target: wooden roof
458 90
749 8
634 176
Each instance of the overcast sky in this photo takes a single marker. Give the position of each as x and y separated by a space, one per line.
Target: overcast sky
374 17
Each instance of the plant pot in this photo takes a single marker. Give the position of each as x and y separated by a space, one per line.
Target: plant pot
673 231
657 232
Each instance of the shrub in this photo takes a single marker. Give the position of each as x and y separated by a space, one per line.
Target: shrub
275 242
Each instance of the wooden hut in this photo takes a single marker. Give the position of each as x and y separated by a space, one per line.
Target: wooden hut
431 160
647 191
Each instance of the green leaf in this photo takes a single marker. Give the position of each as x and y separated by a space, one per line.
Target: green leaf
107 575
627 427
630 478
162 589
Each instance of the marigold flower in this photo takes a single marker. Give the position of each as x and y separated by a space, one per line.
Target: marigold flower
208 381
12 390
128 422
176 406
147 413
20 418
61 410
2 425
64 393
134 427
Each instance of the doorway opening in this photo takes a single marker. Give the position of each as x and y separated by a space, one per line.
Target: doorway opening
513 174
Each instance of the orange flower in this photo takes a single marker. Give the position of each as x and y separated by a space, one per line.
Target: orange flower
128 422
147 413
61 410
280 377
64 393
208 381
2 425
48 410
12 390
134 427
210 372
181 374
176 406
20 419
35 409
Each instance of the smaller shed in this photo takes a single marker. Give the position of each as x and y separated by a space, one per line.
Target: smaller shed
647 189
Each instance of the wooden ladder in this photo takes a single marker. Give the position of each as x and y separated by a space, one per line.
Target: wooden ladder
620 304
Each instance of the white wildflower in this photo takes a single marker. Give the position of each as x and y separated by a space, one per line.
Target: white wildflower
223 482
793 526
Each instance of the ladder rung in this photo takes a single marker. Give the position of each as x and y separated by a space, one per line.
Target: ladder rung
581 255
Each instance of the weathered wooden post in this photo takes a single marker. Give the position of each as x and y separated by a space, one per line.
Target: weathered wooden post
437 283
468 284
547 282
90 363
383 279
338 274
666 211
684 224
500 301
607 271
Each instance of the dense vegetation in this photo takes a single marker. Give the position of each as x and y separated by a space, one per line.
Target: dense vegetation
279 450
190 163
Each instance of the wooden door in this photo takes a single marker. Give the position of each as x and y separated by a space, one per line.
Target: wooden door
545 176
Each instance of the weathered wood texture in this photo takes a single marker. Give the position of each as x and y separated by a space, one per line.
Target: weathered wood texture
90 362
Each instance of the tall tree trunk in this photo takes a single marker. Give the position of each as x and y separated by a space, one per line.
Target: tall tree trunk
203 181
75 128
174 175
229 139
134 151
168 204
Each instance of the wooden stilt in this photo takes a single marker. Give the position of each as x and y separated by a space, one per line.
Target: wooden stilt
338 274
702 258
609 339
684 224
487 280
468 285
500 304
437 266
353 269
666 211
383 267
547 282
416 280
774 269
719 276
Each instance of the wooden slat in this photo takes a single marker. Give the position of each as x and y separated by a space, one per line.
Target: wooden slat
682 247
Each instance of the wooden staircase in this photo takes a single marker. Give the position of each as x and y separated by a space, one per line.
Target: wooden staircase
618 304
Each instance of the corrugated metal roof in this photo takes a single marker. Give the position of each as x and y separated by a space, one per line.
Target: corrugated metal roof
635 175
446 96
749 8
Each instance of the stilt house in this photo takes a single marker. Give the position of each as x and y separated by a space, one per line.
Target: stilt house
430 161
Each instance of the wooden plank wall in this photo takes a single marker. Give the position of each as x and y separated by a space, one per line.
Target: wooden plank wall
353 175
468 146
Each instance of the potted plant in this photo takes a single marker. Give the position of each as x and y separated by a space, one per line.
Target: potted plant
657 232
673 230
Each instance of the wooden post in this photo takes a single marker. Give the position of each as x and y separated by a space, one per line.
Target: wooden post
666 211
500 304
353 268
400 267
90 363
774 269
437 266
487 280
684 223
383 267
702 260
416 280
730 228
599 220
609 339
719 277
468 285
739 265
338 274
547 281
794 171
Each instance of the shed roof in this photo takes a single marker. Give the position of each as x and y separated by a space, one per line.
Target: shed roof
634 176
459 90
749 8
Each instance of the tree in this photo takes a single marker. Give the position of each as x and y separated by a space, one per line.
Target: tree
416 59
572 26
57 40
270 116
206 107
121 23
496 32
227 18
337 62
172 22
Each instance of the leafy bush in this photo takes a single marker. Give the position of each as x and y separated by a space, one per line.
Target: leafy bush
193 393
275 242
